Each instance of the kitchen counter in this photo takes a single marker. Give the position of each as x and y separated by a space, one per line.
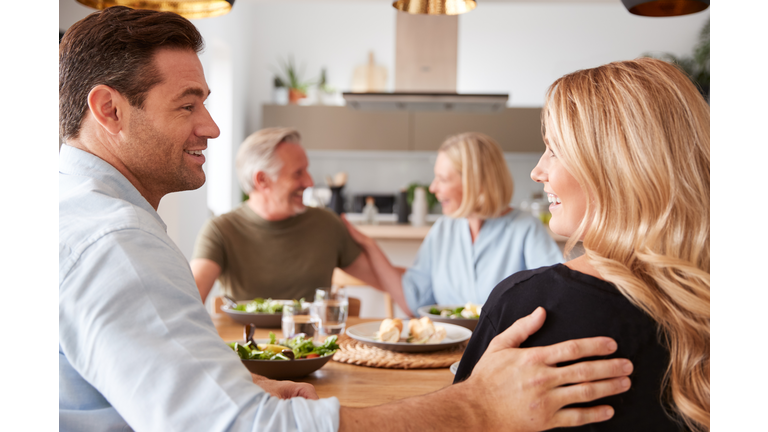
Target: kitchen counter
389 230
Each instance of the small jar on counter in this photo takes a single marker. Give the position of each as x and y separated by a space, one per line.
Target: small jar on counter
370 212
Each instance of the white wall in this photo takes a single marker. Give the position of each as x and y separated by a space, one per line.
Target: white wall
521 48
336 35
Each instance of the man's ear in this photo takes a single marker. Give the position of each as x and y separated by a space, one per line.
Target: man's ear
261 181
107 107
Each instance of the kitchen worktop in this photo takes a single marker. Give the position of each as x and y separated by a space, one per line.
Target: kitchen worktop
392 231
388 229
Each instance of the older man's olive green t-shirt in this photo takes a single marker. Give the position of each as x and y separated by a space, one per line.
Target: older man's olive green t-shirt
284 259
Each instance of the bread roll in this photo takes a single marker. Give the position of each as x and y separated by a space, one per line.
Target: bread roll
390 329
424 331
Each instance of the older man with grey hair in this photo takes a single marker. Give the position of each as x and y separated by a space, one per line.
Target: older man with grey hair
272 245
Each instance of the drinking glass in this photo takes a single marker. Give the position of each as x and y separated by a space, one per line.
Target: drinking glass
331 306
298 317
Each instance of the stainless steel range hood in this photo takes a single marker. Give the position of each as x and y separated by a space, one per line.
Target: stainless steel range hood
411 101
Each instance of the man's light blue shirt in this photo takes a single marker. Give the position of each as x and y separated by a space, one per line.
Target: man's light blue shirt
137 349
452 270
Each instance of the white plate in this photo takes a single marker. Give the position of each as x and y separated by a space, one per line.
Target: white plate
366 333
260 320
454 367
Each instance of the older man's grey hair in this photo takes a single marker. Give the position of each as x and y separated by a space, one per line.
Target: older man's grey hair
257 153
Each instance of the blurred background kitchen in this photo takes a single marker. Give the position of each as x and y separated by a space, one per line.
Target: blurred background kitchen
510 49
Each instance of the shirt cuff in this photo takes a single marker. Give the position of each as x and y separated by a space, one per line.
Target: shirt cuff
316 415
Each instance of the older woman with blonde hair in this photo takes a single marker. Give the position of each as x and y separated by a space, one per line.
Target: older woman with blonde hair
480 240
627 172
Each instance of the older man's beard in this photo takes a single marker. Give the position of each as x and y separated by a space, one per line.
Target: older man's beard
298 209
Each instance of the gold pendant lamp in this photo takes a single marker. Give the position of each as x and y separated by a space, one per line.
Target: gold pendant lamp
664 8
190 9
435 7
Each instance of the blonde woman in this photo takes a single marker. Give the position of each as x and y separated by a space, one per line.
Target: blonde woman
480 240
627 171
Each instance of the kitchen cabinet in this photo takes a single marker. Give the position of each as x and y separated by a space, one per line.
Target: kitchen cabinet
515 129
341 128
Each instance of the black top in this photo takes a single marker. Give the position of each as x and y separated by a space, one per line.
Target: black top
580 306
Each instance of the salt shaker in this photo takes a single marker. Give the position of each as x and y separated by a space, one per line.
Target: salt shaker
370 212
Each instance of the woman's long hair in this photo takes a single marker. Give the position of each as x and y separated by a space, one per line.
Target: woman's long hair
486 183
635 135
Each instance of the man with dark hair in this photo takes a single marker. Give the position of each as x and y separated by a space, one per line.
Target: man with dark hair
137 350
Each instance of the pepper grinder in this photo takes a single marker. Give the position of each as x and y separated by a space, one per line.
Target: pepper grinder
402 207
337 199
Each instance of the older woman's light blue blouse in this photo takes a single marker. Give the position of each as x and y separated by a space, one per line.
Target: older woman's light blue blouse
450 269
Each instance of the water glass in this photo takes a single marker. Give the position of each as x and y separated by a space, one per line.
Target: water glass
331 306
298 317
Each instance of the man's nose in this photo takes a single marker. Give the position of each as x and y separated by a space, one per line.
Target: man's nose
208 129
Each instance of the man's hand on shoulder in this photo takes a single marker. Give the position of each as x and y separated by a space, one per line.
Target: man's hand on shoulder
524 388
285 389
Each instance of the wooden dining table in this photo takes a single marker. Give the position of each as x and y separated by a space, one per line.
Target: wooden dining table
354 386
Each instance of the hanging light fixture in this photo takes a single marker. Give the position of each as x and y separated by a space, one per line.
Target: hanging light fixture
435 7
664 8
190 9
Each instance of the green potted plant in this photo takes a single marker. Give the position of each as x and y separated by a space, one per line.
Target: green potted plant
291 78
431 198
697 65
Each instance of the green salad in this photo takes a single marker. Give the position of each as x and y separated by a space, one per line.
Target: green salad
259 305
468 311
286 349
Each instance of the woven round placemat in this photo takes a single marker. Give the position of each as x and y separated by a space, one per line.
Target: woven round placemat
357 353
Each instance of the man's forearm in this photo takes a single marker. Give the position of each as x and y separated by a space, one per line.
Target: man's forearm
205 273
362 269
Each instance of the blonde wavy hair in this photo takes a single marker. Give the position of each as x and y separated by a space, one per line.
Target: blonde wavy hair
635 135
485 180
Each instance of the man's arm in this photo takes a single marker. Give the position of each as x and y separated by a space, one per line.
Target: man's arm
361 269
511 389
205 272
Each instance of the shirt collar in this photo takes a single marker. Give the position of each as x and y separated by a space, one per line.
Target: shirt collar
73 161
